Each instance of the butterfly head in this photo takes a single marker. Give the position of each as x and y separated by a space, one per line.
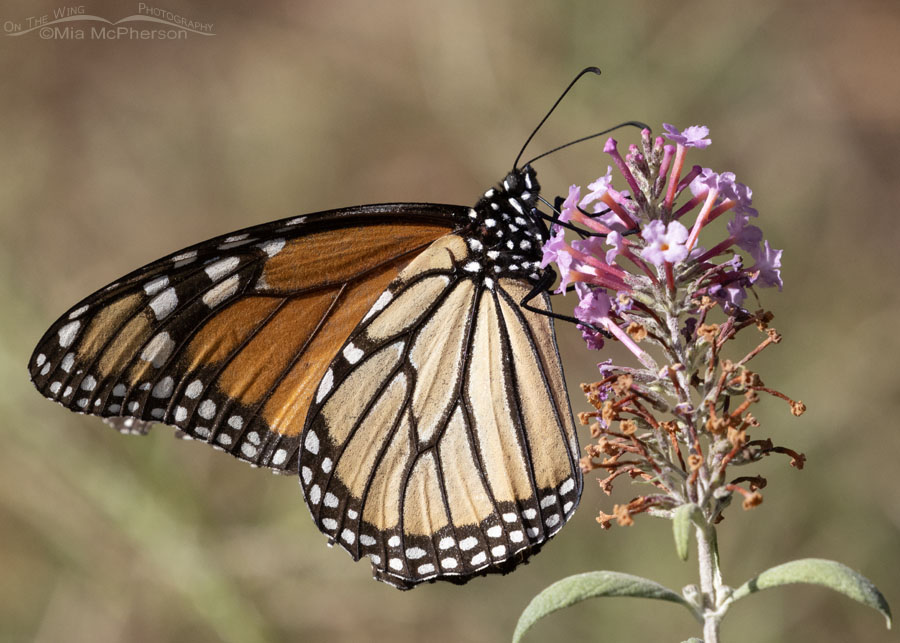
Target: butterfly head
521 184
517 194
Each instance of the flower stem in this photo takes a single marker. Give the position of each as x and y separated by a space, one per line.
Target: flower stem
710 582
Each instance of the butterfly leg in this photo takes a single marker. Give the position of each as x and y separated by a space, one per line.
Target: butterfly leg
546 280
554 218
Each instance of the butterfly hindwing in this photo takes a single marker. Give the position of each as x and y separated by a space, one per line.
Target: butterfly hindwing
441 443
228 339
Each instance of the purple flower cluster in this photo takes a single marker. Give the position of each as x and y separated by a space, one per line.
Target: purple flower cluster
639 252
678 423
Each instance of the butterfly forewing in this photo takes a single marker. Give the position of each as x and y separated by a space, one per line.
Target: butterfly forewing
441 443
227 340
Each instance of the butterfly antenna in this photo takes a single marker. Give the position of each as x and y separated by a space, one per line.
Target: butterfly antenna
592 70
637 124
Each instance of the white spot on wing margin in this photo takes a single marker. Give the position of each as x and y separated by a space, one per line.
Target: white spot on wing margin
67 333
325 386
272 247
221 291
158 349
352 353
311 442
379 304
164 303
219 269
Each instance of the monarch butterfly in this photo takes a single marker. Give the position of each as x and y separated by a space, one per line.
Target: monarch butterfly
386 354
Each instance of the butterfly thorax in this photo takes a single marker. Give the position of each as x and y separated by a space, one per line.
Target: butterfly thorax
506 234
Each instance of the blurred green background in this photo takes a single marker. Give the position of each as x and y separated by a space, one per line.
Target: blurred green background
116 152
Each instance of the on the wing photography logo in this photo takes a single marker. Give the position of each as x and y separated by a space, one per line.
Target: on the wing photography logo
75 23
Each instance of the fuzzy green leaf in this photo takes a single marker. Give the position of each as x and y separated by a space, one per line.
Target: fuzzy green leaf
682 521
575 589
817 571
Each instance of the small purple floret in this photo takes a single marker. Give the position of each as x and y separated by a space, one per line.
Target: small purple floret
554 246
617 241
768 265
591 246
703 182
731 295
598 188
743 197
664 243
745 236
693 136
564 261
592 338
570 205
593 304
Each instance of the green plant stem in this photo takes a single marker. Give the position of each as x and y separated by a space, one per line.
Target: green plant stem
710 582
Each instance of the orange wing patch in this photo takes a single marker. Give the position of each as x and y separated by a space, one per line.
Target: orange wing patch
104 325
225 332
124 344
286 409
255 369
330 257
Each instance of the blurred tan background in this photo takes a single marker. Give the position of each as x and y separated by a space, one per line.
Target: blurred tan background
116 152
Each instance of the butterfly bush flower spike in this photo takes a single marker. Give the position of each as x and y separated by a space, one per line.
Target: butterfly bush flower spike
679 420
